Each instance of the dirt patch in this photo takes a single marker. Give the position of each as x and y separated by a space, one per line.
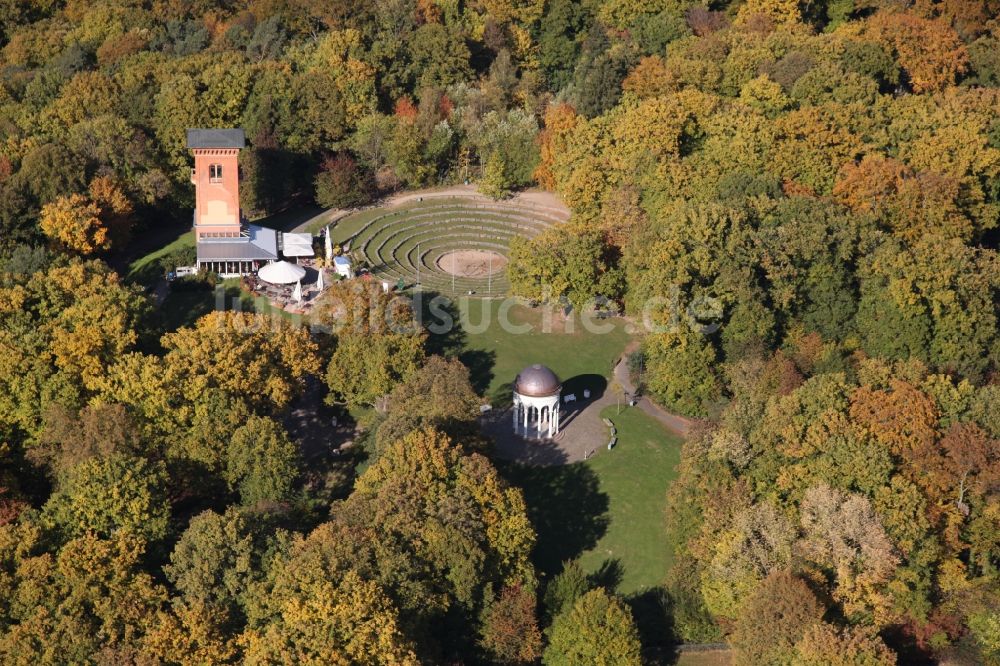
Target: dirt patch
471 263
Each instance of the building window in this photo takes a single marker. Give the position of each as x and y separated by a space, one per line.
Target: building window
215 173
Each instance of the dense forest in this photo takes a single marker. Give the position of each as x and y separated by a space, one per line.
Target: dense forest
808 211
803 197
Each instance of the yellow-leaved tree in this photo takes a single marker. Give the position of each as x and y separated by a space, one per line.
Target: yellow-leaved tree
74 224
264 358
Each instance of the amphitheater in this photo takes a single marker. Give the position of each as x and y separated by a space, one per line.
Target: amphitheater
450 243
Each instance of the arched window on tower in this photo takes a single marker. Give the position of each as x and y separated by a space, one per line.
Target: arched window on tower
215 173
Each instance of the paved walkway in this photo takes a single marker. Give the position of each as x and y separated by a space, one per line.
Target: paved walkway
673 422
583 431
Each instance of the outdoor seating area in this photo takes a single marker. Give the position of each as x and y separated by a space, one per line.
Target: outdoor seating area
297 296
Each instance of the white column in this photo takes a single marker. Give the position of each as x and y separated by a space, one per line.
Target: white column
555 419
527 412
515 416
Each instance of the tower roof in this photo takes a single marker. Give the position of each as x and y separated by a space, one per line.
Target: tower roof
537 381
216 138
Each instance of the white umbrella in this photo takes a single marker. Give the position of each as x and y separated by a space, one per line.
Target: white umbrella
281 272
297 294
319 282
328 243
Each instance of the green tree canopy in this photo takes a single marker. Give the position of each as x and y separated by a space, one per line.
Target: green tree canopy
261 463
596 629
109 494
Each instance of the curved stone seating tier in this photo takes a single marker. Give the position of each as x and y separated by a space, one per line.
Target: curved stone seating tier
404 251
428 259
546 215
402 243
435 229
521 227
430 273
405 243
441 218
406 264
408 242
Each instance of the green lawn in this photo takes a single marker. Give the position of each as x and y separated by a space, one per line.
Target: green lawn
608 511
609 514
495 355
635 476
147 270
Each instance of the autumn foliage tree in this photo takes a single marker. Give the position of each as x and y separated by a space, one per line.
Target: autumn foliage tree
824 644
774 619
438 395
509 631
340 183
74 223
560 119
115 209
230 350
596 629
929 50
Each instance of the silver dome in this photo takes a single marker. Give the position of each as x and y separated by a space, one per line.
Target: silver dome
537 381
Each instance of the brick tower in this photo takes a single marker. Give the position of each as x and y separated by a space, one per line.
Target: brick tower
216 179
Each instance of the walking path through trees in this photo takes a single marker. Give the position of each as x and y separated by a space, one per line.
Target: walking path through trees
673 422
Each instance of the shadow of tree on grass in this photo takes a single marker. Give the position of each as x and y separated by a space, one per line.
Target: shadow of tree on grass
441 317
566 507
609 575
186 303
480 364
652 610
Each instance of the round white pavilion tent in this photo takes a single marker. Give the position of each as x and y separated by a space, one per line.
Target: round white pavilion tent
281 272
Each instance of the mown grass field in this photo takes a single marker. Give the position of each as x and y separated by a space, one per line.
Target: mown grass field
619 498
635 476
495 355
146 269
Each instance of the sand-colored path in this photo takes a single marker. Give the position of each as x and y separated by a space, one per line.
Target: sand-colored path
583 430
535 198
672 422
